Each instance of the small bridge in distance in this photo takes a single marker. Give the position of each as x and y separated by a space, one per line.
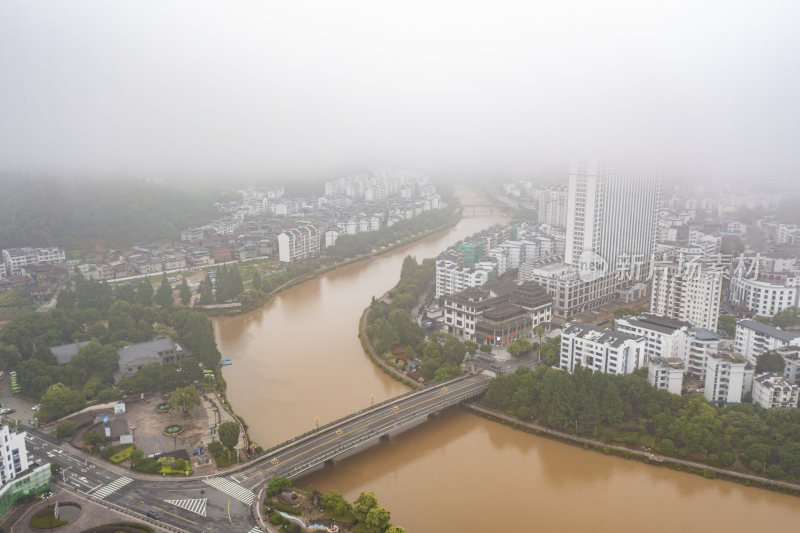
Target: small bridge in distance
473 209
359 431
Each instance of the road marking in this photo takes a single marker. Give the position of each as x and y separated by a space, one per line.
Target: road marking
176 515
183 490
193 505
229 512
359 428
112 487
231 489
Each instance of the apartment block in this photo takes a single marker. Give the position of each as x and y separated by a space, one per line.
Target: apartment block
687 290
665 373
773 391
298 244
725 377
600 350
754 338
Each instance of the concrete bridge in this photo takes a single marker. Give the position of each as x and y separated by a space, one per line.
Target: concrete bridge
359 431
491 208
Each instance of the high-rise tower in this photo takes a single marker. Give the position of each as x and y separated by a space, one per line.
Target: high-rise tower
611 211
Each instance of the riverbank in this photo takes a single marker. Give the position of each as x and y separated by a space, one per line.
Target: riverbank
229 312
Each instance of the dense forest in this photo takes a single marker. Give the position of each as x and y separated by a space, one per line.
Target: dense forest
627 409
77 214
109 318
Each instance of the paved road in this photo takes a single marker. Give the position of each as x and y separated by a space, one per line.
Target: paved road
196 505
341 440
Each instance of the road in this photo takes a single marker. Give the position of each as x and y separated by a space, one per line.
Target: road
340 440
197 505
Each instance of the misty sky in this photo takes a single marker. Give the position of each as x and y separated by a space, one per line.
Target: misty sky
174 88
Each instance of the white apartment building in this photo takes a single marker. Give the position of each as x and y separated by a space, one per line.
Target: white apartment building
13 454
701 344
687 290
773 391
611 211
665 373
754 338
298 244
791 363
330 238
571 295
764 296
451 277
16 259
725 377
600 350
553 206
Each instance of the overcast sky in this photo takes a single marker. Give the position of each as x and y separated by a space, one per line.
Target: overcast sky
172 88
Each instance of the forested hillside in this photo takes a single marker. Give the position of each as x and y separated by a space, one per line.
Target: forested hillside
77 214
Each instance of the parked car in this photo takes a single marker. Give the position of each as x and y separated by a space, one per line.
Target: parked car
35 408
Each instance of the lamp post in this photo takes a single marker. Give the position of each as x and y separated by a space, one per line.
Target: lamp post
316 423
133 436
211 429
175 440
372 400
339 434
396 410
444 393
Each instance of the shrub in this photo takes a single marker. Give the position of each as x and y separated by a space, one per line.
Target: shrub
277 485
65 429
215 447
179 464
45 519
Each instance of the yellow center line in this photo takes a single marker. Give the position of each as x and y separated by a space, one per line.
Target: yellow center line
450 391
181 490
175 515
229 512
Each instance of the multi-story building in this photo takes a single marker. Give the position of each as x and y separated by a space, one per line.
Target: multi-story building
754 338
13 456
553 206
687 290
665 373
725 377
162 350
600 350
192 234
298 244
701 344
773 391
16 259
452 277
498 313
765 295
791 362
611 211
571 295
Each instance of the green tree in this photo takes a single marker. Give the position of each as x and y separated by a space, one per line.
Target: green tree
59 400
256 282
229 434
727 324
163 296
187 399
334 503
277 485
486 348
666 446
786 318
93 437
65 429
471 347
207 291
769 362
365 502
395 529
185 292
377 519
144 292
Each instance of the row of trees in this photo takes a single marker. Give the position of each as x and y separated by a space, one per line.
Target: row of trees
365 510
628 409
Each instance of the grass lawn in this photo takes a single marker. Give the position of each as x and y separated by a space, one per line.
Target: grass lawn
121 455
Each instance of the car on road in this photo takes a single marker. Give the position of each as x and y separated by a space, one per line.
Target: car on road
35 408
7 411
154 515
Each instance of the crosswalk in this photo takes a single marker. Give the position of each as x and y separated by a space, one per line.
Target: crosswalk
231 489
255 530
193 505
112 487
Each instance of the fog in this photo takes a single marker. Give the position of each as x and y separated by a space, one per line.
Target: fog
171 89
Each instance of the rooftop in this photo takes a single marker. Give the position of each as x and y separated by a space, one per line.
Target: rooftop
764 329
597 334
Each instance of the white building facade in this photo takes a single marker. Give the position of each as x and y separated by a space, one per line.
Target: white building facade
725 377
754 338
600 350
13 454
298 244
687 290
773 391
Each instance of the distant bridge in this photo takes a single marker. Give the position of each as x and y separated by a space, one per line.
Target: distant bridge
359 431
490 207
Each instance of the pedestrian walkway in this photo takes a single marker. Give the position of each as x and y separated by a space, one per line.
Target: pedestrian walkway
231 489
193 505
112 487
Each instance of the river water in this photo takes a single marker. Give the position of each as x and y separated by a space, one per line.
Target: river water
298 359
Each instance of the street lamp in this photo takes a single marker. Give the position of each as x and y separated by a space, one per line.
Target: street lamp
339 434
175 440
133 436
444 393
316 423
372 400
396 410
211 429
217 416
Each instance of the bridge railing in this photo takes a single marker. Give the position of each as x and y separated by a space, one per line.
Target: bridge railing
355 416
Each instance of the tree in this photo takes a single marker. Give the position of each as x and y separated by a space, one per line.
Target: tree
144 293
786 318
769 362
471 347
256 282
395 529
65 429
185 292
666 446
377 519
486 348
229 434
187 399
207 291
163 295
365 502
93 437
334 503
59 400
277 485
727 324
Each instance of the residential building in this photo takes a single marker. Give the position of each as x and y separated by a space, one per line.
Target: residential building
791 362
298 244
600 349
553 206
774 391
33 481
765 295
701 344
452 276
13 454
664 337
665 373
162 350
192 234
725 377
16 259
611 212
66 352
571 295
754 338
687 290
